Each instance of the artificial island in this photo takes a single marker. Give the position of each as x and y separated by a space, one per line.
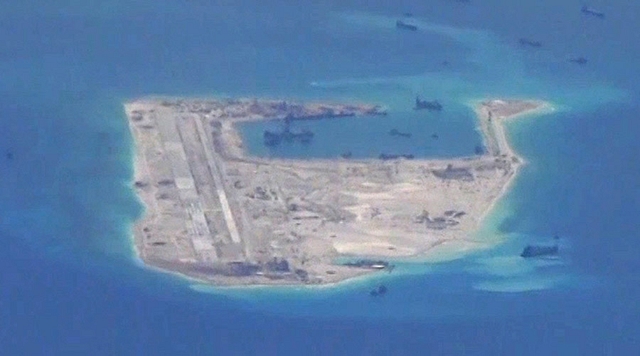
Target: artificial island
217 214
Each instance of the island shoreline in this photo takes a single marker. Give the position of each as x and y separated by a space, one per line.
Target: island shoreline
533 108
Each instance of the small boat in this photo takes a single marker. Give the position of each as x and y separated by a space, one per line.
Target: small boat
527 42
346 155
578 60
271 138
592 12
366 263
378 291
396 132
401 25
378 266
539 251
391 156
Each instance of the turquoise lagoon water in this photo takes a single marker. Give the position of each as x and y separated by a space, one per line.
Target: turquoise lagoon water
70 283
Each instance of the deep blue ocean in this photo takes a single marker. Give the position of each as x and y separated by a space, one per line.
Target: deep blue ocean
69 282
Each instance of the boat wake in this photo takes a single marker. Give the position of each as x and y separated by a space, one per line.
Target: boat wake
520 285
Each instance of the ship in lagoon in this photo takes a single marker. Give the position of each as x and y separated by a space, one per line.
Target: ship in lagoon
274 138
392 156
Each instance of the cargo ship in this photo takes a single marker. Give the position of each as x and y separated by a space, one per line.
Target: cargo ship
274 138
428 105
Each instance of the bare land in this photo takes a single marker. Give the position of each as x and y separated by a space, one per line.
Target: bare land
218 215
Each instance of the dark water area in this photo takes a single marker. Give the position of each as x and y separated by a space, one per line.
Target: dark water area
69 283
